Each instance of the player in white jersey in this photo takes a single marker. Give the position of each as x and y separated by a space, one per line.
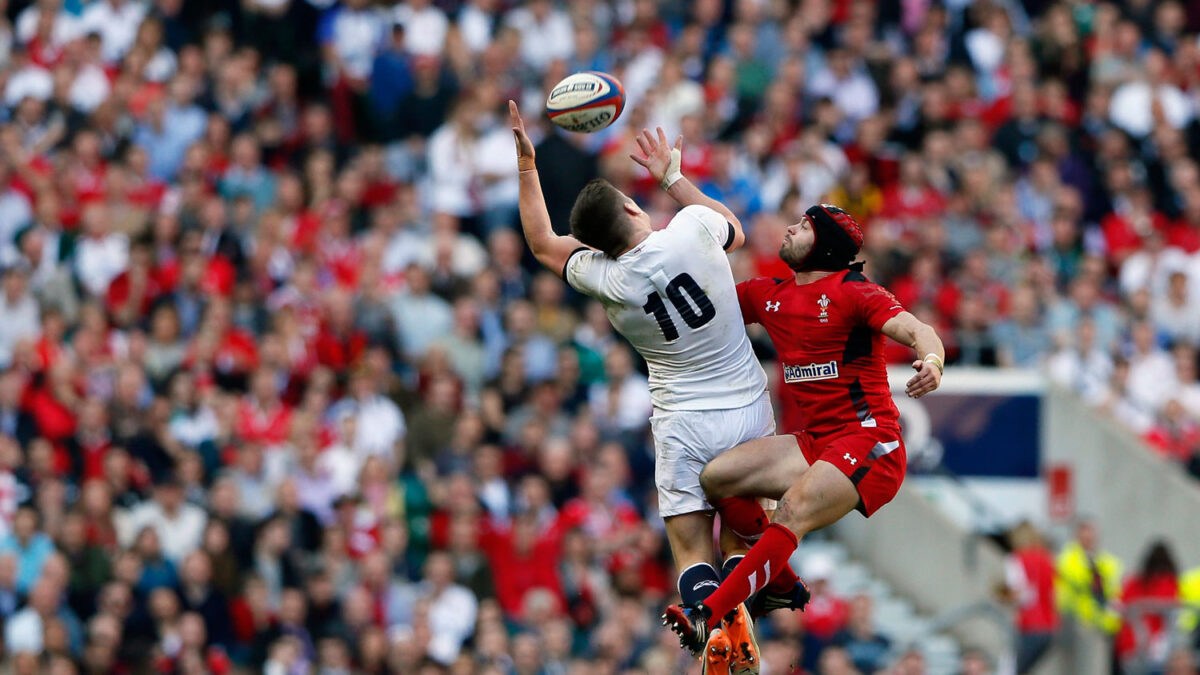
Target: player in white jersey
671 293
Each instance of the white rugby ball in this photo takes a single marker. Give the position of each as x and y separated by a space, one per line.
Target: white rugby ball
586 102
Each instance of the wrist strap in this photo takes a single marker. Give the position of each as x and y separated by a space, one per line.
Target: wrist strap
673 175
933 360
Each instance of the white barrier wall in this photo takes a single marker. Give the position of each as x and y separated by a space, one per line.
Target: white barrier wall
925 556
1135 496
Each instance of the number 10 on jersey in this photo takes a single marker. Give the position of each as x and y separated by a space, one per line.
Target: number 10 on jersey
694 317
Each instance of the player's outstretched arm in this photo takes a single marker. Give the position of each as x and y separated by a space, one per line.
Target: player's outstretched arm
662 161
909 330
550 249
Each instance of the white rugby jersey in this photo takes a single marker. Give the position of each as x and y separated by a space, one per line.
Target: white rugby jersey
673 297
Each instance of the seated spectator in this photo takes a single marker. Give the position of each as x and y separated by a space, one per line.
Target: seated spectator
177 524
1021 337
864 645
29 546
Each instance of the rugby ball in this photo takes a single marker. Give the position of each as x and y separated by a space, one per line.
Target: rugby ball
586 102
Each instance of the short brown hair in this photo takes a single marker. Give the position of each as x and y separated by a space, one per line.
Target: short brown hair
598 217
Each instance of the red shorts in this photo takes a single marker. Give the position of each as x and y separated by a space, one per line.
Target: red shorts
873 459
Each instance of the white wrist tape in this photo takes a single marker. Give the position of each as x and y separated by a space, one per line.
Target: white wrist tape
933 360
673 174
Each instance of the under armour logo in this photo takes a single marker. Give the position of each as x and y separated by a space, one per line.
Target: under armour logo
850 459
773 306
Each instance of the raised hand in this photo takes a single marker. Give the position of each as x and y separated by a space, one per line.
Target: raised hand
525 154
656 153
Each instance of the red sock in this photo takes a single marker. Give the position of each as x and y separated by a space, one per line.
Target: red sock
770 555
785 579
747 519
743 516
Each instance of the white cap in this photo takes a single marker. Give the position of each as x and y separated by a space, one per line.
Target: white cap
818 567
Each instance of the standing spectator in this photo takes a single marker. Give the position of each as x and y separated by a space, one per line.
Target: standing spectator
1088 580
1029 584
1156 580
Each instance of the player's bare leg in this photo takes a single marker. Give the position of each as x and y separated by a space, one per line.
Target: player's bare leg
690 537
764 467
821 497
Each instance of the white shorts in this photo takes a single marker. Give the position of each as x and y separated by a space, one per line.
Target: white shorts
685 441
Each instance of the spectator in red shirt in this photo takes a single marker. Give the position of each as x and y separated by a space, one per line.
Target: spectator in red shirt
1029 584
521 561
827 613
262 416
1176 435
90 443
1157 580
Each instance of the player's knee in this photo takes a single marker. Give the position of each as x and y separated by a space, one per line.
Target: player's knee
713 483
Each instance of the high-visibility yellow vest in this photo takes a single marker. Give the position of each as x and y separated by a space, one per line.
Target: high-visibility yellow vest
1189 596
1073 587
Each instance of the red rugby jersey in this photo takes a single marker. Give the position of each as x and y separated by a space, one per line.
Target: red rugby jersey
827 334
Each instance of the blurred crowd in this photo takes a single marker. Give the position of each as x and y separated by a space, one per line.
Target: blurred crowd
281 388
1149 614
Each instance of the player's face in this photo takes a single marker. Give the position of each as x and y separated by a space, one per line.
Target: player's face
797 243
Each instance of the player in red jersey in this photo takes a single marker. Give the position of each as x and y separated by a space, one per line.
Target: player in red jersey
828 326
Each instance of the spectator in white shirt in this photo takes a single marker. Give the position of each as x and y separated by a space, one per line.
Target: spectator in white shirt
425 27
65 26
1117 403
379 426
1082 367
452 609
27 79
477 23
100 255
355 34
1188 393
421 317
179 525
19 309
850 87
622 403
1152 378
1133 104
90 87
1150 266
546 33
24 630
117 23
1176 313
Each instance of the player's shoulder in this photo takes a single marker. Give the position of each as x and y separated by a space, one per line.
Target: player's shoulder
855 281
698 211
700 218
761 284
